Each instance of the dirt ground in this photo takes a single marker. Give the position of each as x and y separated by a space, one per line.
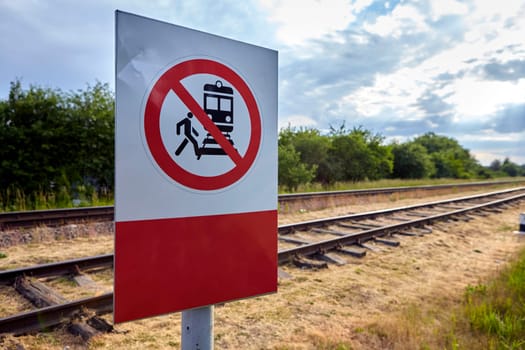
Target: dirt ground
392 299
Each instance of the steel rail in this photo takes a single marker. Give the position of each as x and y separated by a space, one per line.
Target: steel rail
55 216
47 317
54 315
372 214
363 236
387 190
58 216
58 268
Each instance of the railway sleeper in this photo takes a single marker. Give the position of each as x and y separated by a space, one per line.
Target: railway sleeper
357 226
42 296
305 263
388 242
332 258
462 217
398 218
356 253
37 293
331 232
369 247
294 240
450 207
492 210
87 327
407 233
418 214
424 229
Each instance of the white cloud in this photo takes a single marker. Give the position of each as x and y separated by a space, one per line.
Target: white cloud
479 100
296 121
395 91
447 7
300 20
403 20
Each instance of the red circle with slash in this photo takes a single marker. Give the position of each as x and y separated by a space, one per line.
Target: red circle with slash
171 81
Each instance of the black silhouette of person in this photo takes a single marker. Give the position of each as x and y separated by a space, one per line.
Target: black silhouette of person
188 130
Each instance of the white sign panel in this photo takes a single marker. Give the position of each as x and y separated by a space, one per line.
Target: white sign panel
196 121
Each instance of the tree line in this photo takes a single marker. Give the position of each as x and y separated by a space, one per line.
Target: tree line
56 146
307 155
60 146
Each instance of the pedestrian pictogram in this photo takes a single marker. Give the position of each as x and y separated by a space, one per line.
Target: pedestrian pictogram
189 131
213 111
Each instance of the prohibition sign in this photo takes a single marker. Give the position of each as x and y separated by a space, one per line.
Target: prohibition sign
171 81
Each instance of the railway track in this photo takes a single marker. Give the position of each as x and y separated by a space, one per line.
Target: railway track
287 202
313 243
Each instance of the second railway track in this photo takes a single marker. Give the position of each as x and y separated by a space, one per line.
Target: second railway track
311 243
287 203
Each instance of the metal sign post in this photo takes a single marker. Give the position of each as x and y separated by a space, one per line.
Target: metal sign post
197 329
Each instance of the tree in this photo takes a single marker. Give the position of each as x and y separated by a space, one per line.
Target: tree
92 116
292 172
54 141
495 165
313 149
31 135
359 155
450 159
510 168
411 161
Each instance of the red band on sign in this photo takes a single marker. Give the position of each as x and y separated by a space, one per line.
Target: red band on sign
171 81
167 265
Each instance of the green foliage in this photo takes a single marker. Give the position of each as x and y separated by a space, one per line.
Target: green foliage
54 144
358 155
497 310
411 161
511 169
449 158
313 149
343 155
292 172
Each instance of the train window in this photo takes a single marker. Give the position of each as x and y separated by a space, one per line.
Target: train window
212 102
226 105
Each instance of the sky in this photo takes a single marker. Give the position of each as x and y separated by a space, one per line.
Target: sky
397 68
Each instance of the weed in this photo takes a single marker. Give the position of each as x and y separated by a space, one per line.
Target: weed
496 309
3 255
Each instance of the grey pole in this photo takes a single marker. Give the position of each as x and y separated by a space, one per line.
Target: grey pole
197 329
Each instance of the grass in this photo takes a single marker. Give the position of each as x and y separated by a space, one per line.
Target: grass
17 200
14 199
490 316
496 310
385 183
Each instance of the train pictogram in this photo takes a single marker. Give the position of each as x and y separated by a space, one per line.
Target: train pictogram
218 105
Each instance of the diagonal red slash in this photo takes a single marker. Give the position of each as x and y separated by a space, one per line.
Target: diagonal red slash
171 80
206 122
